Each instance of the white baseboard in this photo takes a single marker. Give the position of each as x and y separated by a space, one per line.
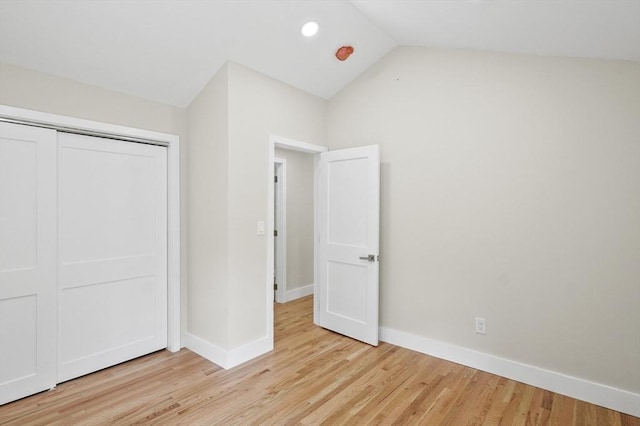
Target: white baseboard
299 292
231 358
595 393
207 350
249 351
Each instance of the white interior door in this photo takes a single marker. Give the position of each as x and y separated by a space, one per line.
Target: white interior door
27 260
348 227
112 252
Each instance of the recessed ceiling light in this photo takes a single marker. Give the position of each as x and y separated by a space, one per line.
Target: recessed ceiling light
309 29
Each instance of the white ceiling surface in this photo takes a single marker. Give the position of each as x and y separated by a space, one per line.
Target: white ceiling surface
167 50
605 29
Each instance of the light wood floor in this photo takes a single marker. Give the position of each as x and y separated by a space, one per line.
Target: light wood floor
312 377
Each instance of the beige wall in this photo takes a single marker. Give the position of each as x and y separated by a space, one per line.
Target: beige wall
208 212
230 123
299 212
259 106
23 88
510 191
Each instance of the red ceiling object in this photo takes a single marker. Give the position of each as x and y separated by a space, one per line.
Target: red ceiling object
344 52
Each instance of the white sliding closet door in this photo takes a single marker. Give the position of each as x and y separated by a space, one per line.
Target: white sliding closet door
27 260
112 258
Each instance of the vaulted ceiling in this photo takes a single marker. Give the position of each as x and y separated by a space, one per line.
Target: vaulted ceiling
167 50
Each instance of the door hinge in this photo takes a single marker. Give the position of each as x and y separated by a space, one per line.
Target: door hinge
275 232
275 286
275 179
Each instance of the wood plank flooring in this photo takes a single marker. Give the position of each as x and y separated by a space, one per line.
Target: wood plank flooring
312 377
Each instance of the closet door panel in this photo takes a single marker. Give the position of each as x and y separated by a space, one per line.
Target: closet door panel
27 260
112 252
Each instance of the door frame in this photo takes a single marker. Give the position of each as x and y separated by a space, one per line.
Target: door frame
280 224
172 142
294 145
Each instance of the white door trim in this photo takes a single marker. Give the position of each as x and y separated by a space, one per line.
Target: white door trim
173 194
292 144
280 247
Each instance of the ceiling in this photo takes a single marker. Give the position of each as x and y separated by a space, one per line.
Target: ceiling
167 50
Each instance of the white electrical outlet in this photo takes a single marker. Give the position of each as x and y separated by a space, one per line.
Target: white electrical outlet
481 326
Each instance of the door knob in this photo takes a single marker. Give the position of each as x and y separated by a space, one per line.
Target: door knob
370 258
